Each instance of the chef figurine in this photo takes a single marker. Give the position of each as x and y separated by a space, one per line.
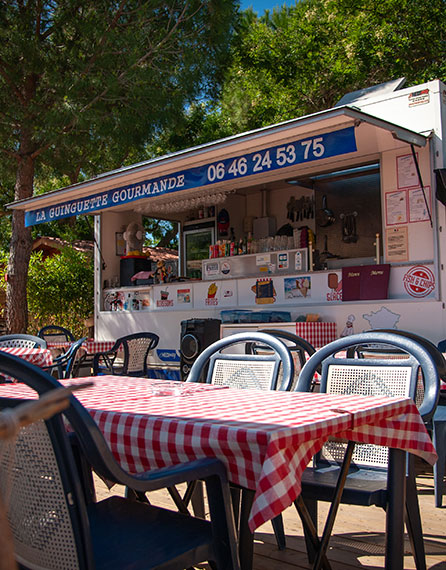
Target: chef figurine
348 330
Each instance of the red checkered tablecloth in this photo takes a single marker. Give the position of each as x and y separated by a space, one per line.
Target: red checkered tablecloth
266 439
317 334
37 356
90 345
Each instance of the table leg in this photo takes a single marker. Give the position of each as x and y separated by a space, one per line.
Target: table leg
246 537
396 485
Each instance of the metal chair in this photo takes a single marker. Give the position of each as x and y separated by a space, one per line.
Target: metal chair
238 370
366 482
55 525
300 349
438 423
22 341
55 333
65 364
128 356
439 440
267 371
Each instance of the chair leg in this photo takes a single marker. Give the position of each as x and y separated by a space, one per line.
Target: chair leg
308 515
279 532
197 500
439 440
413 518
246 537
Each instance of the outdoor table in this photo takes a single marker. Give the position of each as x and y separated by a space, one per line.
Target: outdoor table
90 345
38 356
265 438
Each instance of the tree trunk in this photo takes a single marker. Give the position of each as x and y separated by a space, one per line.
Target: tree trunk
20 252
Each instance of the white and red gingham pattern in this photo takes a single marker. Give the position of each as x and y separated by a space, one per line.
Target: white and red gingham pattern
90 345
37 356
317 334
266 439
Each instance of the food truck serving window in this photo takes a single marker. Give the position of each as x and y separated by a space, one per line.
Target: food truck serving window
348 214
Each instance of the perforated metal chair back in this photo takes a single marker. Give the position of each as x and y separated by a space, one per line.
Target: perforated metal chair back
22 341
40 498
379 373
55 333
300 349
245 371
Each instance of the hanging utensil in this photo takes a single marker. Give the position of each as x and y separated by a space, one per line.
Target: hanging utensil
324 216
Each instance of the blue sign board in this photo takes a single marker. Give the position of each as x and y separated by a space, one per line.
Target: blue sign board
281 156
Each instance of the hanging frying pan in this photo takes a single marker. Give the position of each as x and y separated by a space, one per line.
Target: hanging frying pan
324 216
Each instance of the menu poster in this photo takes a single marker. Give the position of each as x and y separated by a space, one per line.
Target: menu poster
397 244
406 171
396 208
418 210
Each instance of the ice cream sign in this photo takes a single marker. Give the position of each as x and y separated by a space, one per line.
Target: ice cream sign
419 281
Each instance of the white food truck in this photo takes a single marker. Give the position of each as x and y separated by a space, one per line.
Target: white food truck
324 225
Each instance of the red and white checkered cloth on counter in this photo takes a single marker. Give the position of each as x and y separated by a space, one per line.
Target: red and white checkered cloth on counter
90 345
317 334
265 438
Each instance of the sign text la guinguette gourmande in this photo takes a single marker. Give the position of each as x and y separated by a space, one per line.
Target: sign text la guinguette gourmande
309 149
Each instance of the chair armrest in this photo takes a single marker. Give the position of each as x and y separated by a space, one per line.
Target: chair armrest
108 356
176 474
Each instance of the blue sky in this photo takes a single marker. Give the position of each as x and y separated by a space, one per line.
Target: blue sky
260 6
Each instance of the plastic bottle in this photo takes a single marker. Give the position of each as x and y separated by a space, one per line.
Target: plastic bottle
128 303
249 244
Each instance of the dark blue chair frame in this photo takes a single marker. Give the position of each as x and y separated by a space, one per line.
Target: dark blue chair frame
203 367
65 363
438 423
108 357
49 331
293 342
8 340
204 364
322 486
103 530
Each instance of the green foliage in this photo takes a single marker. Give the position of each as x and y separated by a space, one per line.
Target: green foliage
85 83
160 233
61 290
302 59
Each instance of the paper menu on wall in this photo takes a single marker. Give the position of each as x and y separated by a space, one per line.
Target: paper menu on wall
418 204
397 244
396 207
406 171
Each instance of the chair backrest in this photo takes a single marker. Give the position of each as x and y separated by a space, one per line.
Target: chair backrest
136 349
380 373
55 333
40 486
39 477
22 341
241 370
300 348
68 359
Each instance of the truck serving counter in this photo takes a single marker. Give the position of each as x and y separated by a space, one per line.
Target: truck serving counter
332 216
